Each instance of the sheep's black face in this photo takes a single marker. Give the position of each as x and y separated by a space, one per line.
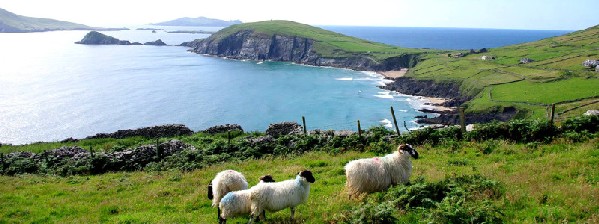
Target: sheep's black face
267 179
210 195
409 149
308 175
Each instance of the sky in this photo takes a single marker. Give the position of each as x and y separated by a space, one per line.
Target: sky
497 14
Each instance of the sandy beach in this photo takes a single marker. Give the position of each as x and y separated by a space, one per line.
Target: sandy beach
394 74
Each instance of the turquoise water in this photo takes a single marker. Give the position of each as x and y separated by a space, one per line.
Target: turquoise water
52 89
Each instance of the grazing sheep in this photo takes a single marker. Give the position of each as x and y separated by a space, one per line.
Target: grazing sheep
379 173
278 196
223 183
238 202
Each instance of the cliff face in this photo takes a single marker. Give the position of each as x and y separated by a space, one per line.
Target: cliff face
247 44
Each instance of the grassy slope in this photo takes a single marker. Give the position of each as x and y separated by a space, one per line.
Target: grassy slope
555 76
553 182
30 24
328 43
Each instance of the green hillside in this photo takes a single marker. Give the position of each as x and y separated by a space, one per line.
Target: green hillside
327 43
13 23
555 76
485 178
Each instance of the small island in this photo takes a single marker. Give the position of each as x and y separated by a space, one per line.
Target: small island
97 38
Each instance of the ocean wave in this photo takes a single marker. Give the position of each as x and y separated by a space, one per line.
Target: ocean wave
345 79
386 123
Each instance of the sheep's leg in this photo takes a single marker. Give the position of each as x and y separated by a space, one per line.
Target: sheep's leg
292 212
218 213
263 215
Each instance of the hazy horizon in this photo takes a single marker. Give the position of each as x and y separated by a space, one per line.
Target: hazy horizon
508 14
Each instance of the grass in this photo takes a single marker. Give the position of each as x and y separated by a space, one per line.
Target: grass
544 183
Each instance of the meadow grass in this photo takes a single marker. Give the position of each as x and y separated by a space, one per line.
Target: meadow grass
544 183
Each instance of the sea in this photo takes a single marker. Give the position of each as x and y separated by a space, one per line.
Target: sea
52 89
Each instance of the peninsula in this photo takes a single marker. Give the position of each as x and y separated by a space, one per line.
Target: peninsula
491 84
13 23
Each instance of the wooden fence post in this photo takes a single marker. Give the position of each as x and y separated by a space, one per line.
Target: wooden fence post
359 130
395 121
158 149
304 122
462 119
91 151
552 113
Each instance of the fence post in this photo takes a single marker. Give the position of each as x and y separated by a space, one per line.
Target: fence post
395 121
359 130
2 161
552 112
91 151
304 122
158 150
462 119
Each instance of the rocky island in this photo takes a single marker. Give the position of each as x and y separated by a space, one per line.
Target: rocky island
487 89
97 38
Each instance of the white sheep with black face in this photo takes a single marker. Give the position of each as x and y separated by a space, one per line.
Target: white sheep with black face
223 183
238 202
379 173
278 196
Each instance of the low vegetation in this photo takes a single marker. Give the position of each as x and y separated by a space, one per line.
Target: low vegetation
519 171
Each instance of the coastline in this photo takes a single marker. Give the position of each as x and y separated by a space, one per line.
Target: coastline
430 104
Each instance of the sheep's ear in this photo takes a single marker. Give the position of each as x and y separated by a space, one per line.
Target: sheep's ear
210 195
267 179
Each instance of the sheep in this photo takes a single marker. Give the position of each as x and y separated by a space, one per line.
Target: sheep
379 173
278 196
223 183
238 202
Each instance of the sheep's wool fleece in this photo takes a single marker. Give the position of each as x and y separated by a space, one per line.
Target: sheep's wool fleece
378 173
277 196
225 182
235 203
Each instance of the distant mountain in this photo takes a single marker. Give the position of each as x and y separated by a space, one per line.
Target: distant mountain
13 23
200 21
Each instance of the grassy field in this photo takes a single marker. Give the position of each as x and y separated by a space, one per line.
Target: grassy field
555 76
543 183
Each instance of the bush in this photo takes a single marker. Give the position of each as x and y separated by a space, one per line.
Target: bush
463 199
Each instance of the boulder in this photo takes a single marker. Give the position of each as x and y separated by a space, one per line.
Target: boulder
592 112
284 128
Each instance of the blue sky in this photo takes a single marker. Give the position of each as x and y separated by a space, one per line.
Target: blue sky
499 14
